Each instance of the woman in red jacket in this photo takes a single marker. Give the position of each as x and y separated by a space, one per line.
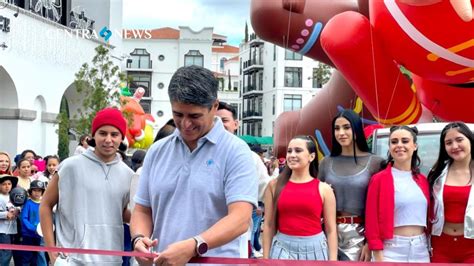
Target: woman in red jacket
397 203
295 202
452 232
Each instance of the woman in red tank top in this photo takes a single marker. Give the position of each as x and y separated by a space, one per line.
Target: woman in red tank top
295 204
452 233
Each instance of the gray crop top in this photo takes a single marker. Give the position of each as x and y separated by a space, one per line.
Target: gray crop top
349 180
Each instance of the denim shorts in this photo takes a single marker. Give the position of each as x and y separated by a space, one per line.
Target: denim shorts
406 249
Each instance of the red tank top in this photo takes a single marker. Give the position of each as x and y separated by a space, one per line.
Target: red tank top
299 209
455 202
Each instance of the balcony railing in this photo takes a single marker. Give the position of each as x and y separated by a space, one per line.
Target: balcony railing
251 88
257 114
136 64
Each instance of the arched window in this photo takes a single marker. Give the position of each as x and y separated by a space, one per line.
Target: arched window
194 57
139 58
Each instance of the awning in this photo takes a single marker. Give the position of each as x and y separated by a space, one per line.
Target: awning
257 140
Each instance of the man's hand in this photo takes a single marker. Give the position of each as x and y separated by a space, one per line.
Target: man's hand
365 253
144 245
178 253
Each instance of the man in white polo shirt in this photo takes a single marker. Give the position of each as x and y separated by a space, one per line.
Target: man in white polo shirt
196 191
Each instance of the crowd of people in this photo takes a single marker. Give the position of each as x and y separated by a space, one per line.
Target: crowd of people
202 191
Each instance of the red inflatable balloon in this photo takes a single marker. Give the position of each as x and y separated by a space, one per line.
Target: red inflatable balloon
432 39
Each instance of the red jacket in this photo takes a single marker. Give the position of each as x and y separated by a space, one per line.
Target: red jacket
380 206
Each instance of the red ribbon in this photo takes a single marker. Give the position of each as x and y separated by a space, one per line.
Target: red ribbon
205 260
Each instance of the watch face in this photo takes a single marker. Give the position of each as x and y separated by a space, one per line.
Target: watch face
202 248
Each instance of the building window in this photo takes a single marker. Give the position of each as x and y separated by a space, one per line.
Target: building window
194 57
140 79
274 77
236 86
139 58
274 52
274 103
290 55
292 102
293 76
221 63
240 61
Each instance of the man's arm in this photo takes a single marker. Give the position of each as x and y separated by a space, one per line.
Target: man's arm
50 198
231 226
141 223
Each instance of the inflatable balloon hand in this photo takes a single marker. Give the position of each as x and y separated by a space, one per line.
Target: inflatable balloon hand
138 134
139 92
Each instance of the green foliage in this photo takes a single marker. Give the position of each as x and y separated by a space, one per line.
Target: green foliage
229 85
322 74
63 131
246 38
98 83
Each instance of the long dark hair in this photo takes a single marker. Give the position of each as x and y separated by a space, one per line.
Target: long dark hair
415 159
284 176
443 157
358 137
46 159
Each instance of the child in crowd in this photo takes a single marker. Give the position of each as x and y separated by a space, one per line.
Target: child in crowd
51 162
8 215
30 220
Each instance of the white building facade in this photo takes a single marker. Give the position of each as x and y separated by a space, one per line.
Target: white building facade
273 80
152 62
40 51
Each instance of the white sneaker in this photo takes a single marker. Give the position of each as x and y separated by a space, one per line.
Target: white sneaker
257 254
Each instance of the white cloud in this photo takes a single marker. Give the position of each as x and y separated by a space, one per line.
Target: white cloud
226 16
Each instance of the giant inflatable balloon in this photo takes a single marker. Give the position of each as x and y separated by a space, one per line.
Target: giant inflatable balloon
140 130
432 39
298 24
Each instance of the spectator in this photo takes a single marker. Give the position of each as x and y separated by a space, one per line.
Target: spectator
5 164
82 145
94 188
29 223
8 217
228 116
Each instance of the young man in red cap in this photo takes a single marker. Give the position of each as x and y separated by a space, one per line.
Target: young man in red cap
91 191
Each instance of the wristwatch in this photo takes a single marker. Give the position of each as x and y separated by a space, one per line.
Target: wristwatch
201 245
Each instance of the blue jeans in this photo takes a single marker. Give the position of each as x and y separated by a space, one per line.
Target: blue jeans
29 258
5 255
257 221
42 256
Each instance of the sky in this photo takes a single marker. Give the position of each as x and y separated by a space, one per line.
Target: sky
227 17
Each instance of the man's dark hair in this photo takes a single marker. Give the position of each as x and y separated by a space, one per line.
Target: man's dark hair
193 85
228 107
166 130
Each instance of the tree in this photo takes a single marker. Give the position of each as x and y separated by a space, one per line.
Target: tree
63 130
246 32
229 85
321 74
99 84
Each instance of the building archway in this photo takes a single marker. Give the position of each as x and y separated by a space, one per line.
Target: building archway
8 113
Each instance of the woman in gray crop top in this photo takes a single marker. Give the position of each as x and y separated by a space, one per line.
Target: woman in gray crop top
348 170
